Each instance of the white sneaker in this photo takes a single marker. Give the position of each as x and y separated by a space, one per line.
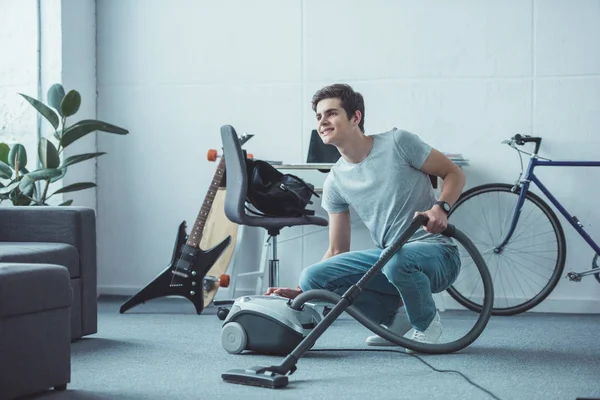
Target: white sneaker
430 335
400 326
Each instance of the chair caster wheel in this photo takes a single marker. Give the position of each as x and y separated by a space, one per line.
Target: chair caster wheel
222 313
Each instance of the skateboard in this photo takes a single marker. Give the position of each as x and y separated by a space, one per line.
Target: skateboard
217 227
195 273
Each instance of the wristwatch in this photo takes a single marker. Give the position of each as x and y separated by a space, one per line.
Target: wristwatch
444 206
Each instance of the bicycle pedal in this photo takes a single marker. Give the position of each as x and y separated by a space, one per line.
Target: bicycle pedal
573 277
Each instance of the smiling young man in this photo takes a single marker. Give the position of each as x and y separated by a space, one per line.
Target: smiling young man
385 179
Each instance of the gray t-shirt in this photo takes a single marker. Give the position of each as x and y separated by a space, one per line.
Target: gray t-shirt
386 188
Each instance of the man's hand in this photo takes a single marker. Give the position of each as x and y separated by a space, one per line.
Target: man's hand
284 292
438 220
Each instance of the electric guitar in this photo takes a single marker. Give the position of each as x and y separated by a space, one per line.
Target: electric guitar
189 263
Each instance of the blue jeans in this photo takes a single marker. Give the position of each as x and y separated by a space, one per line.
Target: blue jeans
412 275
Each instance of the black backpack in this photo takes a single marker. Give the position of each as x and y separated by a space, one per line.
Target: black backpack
274 194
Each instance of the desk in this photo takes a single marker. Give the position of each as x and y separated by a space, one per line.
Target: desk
455 158
326 167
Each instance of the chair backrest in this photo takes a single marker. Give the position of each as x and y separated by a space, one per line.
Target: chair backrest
236 177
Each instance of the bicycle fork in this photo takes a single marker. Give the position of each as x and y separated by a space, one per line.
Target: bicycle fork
524 186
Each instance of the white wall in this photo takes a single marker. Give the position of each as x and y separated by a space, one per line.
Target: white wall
464 75
18 74
78 62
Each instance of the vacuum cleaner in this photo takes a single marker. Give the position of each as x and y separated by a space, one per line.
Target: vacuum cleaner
276 325
267 325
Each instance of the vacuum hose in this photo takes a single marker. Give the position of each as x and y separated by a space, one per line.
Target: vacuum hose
276 376
439 348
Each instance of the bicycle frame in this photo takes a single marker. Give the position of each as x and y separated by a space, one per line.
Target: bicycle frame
529 178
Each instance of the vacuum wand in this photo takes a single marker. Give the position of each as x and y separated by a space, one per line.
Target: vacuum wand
276 376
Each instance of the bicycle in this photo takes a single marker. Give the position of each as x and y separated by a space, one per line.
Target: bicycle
508 235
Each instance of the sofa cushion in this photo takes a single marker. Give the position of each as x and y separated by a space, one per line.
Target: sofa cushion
43 253
29 288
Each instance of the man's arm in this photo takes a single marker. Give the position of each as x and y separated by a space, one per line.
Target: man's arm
438 164
339 234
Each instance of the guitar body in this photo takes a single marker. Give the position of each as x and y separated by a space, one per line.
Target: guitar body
190 263
184 275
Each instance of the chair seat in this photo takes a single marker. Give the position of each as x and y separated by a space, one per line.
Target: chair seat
282 222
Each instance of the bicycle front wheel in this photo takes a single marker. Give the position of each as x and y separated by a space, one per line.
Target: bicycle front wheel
527 268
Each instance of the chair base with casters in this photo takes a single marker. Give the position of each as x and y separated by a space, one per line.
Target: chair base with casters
235 210
272 273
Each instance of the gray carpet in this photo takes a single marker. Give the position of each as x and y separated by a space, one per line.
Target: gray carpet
163 350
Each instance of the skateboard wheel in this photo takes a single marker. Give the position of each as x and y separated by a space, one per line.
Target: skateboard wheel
212 155
224 280
233 338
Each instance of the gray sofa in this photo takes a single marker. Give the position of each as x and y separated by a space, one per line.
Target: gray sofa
35 328
62 236
48 295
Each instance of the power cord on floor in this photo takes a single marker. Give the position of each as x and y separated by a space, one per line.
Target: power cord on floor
420 359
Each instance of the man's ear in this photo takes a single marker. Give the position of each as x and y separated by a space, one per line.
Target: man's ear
356 118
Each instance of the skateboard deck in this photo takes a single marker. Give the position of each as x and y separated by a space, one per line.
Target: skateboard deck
217 228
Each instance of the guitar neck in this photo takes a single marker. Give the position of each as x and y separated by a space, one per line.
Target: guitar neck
195 235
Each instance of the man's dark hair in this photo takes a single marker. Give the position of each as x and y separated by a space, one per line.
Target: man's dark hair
349 100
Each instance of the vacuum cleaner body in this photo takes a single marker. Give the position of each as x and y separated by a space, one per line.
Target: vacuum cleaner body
267 325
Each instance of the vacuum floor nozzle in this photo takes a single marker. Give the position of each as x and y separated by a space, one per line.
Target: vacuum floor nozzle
256 376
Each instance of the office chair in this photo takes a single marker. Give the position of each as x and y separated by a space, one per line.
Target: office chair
236 182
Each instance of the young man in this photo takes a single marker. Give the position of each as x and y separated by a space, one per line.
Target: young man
384 177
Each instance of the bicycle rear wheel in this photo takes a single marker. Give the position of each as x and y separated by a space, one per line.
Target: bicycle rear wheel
528 268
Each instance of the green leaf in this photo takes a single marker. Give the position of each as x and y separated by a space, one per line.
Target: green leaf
44 173
66 203
70 103
4 150
56 94
79 158
5 170
59 177
82 128
25 183
43 109
48 154
37 175
9 188
19 153
75 187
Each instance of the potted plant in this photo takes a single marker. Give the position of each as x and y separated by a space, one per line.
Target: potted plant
24 187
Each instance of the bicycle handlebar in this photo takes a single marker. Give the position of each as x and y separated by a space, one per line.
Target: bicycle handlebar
522 139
